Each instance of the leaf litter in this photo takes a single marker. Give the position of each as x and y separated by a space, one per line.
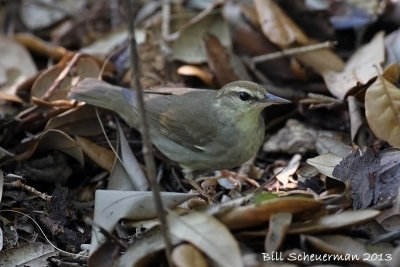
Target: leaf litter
328 170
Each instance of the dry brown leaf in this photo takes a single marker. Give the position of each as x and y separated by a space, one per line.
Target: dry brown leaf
84 67
252 215
277 26
209 235
219 60
321 60
334 221
58 140
205 75
46 79
188 255
100 155
382 109
392 73
359 70
278 226
39 46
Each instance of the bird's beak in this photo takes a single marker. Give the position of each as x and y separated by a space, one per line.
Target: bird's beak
273 99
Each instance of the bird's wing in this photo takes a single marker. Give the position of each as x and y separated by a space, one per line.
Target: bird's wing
193 127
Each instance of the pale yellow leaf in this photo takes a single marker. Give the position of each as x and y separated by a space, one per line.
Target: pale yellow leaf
382 109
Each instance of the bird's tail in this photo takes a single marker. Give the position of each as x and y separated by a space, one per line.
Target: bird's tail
101 94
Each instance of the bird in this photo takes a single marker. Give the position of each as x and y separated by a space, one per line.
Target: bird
199 129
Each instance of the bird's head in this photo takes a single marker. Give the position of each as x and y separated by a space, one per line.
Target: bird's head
246 97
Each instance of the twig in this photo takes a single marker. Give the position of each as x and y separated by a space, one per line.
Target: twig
147 147
292 51
19 184
166 17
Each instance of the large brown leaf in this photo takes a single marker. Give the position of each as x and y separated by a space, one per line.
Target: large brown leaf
382 109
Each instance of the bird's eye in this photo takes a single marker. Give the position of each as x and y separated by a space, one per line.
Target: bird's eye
244 96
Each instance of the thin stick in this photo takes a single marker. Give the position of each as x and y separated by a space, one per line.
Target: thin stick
166 17
147 147
292 51
19 184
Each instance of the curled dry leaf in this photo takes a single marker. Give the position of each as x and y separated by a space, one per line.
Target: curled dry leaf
128 174
80 120
102 156
382 109
114 205
359 70
277 26
54 140
85 67
253 215
203 74
209 235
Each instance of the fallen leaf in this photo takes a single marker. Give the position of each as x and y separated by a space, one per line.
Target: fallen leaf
39 46
101 156
325 163
360 69
253 215
22 255
80 120
203 74
374 176
334 221
126 173
114 205
44 13
277 26
278 226
289 170
207 234
188 255
16 66
382 109
222 62
188 47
